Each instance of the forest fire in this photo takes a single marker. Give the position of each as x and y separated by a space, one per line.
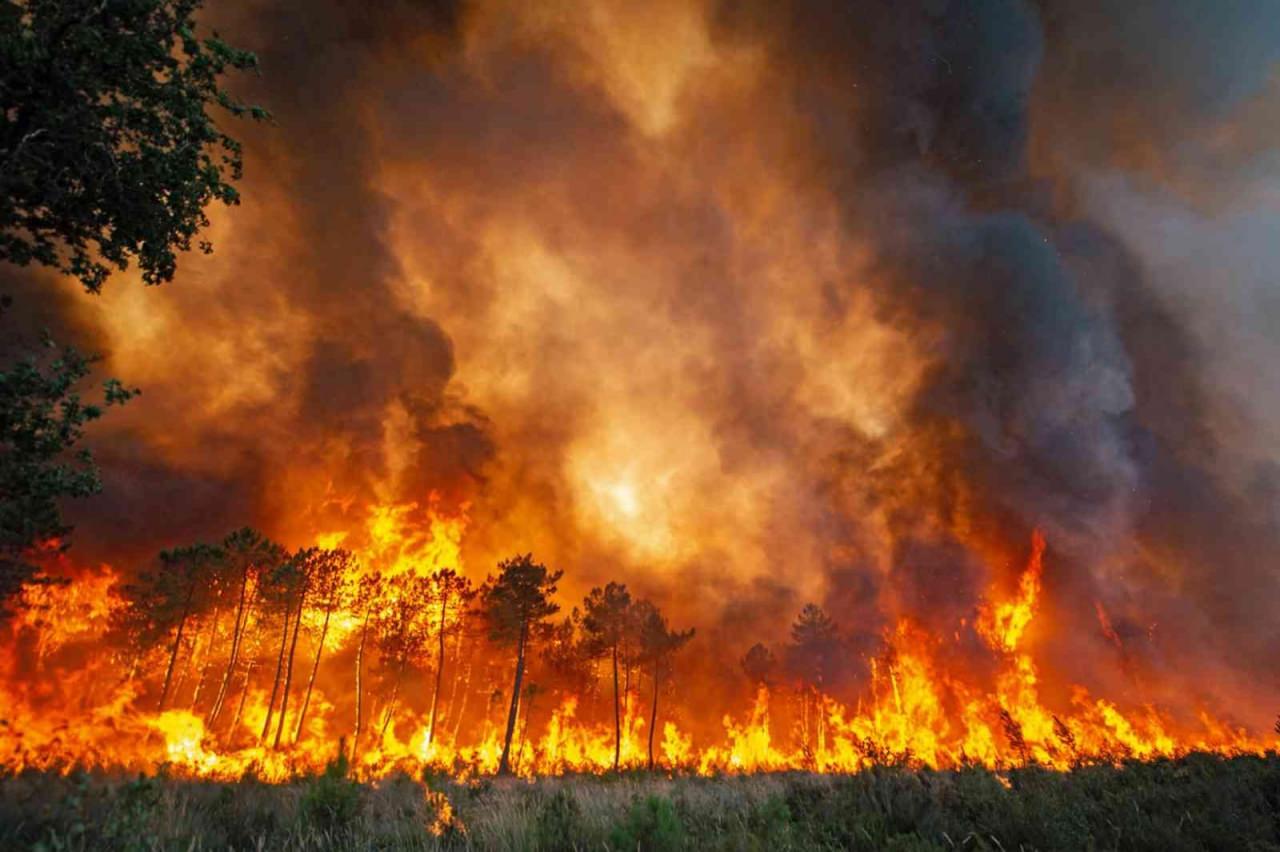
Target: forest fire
388 656
691 387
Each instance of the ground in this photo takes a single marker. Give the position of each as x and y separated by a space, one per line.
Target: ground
1197 802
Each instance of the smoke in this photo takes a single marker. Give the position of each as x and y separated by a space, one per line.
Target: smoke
749 304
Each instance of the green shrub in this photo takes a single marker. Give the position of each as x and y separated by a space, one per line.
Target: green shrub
332 800
650 826
558 825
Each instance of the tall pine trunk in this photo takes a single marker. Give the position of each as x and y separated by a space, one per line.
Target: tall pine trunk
173 655
275 681
233 658
653 714
364 635
617 713
435 693
504 765
311 680
288 671
206 661
244 693
395 694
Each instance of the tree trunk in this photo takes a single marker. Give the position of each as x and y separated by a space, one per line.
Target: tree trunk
461 712
311 681
435 693
524 731
288 671
173 655
504 765
395 693
275 681
207 661
617 713
364 634
233 658
244 693
653 714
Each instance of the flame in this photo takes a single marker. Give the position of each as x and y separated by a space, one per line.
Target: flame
65 709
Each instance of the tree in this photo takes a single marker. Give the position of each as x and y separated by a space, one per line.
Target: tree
371 592
760 666
815 647
107 149
42 419
448 589
606 618
329 587
658 645
277 593
402 630
515 602
249 557
165 599
813 657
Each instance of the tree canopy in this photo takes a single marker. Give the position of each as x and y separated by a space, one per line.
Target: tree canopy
108 151
42 416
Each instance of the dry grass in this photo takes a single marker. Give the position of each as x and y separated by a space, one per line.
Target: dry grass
1200 802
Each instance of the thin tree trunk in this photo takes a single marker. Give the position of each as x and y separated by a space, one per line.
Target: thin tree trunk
235 649
504 765
435 693
288 672
653 715
617 713
244 693
275 681
207 659
173 655
524 731
364 634
466 698
311 680
395 693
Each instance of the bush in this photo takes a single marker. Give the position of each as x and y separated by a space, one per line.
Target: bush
650 826
331 801
558 826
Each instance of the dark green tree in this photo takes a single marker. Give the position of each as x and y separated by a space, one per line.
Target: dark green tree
607 619
42 419
658 646
108 149
516 602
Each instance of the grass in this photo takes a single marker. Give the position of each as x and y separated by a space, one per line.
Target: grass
1197 802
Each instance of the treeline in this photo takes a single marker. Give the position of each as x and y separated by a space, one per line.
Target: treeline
206 625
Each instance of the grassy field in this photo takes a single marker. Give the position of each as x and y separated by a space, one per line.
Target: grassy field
1199 802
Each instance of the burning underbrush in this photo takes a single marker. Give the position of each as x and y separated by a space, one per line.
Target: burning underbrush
243 660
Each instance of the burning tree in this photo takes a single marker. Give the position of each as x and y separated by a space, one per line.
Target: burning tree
450 592
515 602
658 645
329 574
164 600
608 618
402 631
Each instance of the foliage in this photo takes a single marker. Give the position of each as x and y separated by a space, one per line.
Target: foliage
42 419
650 826
107 149
331 800
815 647
558 825
520 596
1198 802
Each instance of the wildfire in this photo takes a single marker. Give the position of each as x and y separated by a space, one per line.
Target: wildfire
69 701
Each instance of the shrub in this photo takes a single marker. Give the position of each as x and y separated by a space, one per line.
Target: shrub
332 800
558 826
650 826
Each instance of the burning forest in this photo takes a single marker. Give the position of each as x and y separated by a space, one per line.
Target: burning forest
693 387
